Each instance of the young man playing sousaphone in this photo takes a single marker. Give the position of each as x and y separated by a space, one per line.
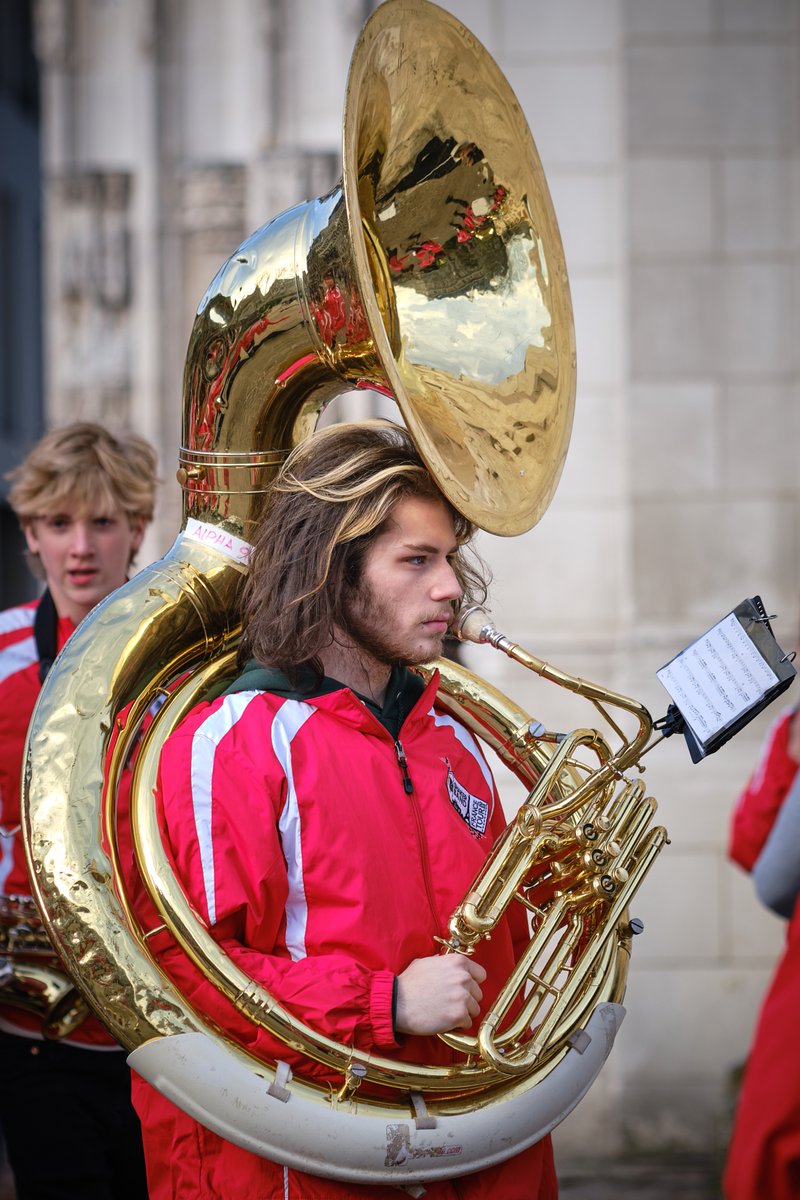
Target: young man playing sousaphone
83 498
313 812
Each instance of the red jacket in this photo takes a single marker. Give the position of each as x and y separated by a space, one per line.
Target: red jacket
19 690
324 865
764 1154
758 805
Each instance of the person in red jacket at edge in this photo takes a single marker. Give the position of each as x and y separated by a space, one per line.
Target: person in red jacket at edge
763 1161
325 817
83 498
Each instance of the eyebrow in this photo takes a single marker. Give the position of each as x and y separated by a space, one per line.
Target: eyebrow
423 548
72 516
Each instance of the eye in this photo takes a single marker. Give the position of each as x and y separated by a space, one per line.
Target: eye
417 560
104 522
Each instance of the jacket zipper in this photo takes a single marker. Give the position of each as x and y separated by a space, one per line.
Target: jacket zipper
408 788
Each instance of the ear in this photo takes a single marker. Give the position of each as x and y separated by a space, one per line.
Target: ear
138 525
30 537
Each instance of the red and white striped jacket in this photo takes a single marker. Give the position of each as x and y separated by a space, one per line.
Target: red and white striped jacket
325 854
19 691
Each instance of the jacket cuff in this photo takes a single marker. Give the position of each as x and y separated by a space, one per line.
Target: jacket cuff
380 1008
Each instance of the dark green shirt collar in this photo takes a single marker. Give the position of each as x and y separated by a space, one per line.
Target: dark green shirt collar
402 692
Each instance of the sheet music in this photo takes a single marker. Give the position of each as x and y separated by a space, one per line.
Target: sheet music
717 679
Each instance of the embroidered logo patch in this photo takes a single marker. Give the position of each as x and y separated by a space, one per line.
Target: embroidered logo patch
470 808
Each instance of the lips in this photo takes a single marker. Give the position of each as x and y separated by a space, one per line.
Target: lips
81 577
438 624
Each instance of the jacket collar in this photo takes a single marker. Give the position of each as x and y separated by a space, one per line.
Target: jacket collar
407 693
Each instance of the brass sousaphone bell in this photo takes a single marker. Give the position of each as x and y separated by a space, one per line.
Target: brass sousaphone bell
433 274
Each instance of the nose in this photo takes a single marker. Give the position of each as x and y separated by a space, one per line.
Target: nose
446 586
82 542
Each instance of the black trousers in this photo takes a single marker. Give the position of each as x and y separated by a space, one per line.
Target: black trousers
70 1129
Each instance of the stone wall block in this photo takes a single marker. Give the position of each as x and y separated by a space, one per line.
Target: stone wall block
595 465
754 936
726 97
594 1124
672 438
223 83
759 326
699 1033
670 207
597 301
280 179
212 198
570 27
677 323
694 799
93 288
589 209
656 1116
574 116
95 262
679 904
317 46
707 317
567 573
767 18
703 555
679 18
109 53
758 206
759 432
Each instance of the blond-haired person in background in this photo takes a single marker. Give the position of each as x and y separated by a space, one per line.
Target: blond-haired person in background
83 498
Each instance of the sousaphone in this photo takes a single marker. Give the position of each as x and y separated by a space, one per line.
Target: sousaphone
434 273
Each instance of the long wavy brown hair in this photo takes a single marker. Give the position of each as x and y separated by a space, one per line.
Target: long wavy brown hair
331 499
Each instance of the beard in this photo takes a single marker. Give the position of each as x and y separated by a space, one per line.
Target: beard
371 624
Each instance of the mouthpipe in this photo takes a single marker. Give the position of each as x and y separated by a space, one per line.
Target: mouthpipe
476 624
473 624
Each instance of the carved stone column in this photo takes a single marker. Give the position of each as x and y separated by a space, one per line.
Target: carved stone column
91 294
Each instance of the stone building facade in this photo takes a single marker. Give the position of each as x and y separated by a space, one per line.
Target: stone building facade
669 132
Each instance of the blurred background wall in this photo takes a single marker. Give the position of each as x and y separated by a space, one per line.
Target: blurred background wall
154 135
